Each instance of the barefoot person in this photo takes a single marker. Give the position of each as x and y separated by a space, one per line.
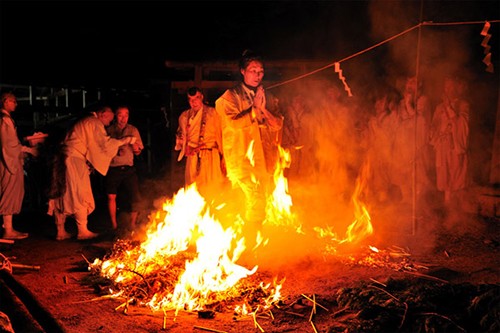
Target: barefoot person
11 167
122 176
247 123
86 143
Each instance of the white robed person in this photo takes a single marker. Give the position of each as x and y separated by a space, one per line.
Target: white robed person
86 145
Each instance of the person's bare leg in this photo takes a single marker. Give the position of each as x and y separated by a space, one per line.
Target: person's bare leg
112 210
62 234
81 223
8 229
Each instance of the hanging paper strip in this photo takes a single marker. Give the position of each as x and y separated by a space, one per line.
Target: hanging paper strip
487 47
342 78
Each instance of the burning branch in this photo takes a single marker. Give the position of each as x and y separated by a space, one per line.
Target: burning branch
314 327
255 320
314 302
313 310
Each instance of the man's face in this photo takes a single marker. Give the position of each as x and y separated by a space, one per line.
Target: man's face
106 117
253 74
10 103
196 101
122 117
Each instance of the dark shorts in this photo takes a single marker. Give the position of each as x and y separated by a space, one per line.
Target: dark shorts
123 181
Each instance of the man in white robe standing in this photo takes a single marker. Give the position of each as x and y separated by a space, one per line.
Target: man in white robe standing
86 143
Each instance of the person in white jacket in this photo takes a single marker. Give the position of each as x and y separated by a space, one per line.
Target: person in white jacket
86 144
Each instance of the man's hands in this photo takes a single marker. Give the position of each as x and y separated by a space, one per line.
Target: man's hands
259 100
30 150
136 149
132 141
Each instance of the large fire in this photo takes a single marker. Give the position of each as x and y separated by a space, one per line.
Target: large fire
189 260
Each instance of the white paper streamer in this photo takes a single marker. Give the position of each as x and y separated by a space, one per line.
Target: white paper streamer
342 78
487 47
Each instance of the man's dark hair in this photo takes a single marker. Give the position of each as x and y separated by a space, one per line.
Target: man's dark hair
4 97
193 90
247 57
121 106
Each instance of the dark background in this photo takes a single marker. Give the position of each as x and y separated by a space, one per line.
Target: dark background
120 48
126 43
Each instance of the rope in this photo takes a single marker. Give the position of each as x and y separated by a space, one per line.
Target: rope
428 23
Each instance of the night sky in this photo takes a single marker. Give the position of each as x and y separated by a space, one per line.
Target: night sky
113 43
124 45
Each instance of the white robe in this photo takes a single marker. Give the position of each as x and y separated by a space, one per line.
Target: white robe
86 142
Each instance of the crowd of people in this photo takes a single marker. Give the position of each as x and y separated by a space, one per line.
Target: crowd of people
403 145
399 141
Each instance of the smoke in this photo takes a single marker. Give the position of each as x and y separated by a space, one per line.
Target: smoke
334 152
433 53
336 163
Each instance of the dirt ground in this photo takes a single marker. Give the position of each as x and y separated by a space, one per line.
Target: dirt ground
435 288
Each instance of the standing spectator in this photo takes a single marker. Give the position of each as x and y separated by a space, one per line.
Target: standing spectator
122 171
411 142
379 141
11 167
449 137
87 145
199 139
250 136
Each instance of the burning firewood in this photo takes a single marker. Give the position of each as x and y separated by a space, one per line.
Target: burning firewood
138 286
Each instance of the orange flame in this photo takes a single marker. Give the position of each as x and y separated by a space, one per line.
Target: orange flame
278 208
185 230
210 276
361 227
250 153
